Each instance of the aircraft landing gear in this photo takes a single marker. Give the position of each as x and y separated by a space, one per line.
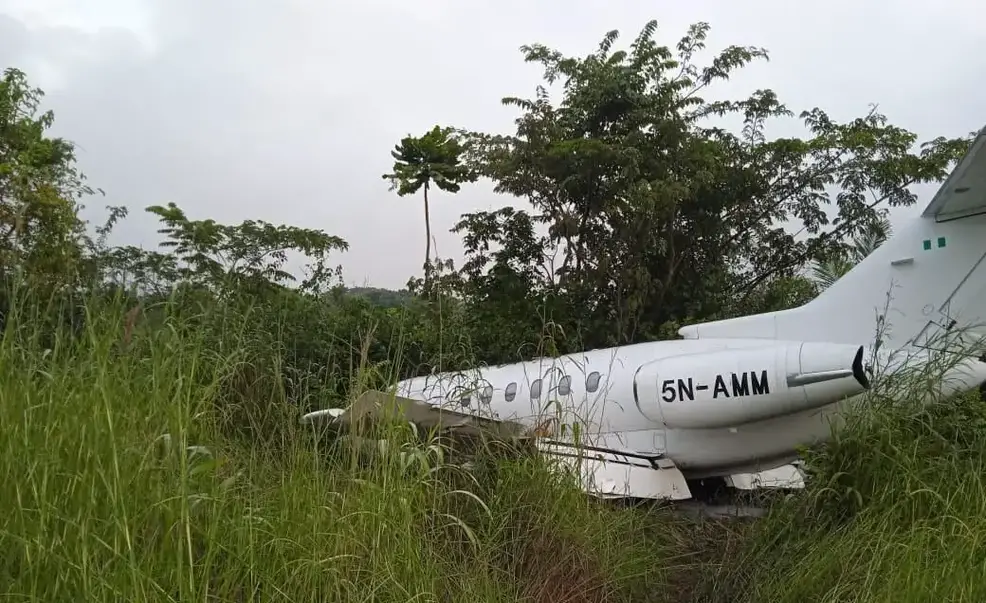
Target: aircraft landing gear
710 490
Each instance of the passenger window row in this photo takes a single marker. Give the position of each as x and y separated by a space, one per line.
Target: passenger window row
510 392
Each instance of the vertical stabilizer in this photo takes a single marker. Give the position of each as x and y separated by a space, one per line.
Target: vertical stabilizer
930 276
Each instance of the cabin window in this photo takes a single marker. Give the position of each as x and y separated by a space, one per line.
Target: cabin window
486 396
592 381
565 386
536 389
511 392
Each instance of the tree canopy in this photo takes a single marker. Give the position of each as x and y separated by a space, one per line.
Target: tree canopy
433 158
641 214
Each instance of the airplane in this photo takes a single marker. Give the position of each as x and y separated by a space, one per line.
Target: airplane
734 400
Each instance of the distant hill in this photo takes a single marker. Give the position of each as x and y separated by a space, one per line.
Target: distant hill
387 298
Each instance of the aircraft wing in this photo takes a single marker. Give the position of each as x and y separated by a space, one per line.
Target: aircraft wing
963 193
374 404
607 473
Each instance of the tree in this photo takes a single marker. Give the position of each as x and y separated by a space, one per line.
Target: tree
645 215
41 233
827 271
434 158
246 257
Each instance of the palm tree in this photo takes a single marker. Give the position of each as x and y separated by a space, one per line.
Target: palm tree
434 158
827 272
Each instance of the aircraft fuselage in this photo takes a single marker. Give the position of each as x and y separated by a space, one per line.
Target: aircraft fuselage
711 406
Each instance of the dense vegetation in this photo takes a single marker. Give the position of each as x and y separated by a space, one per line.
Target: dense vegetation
150 399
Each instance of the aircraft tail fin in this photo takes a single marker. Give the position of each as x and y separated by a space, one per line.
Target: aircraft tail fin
929 277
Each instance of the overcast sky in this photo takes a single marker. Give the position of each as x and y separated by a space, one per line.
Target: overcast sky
287 110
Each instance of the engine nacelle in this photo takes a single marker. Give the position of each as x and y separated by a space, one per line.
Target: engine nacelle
731 387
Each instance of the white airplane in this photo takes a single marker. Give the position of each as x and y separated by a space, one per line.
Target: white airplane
735 399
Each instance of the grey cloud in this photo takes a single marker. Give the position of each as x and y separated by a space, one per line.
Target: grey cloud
287 111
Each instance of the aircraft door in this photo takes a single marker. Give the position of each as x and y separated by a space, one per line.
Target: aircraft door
646 392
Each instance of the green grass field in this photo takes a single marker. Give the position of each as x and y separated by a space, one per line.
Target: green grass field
123 481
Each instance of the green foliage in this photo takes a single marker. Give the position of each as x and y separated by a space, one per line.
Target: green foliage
644 215
894 511
430 159
826 272
42 237
246 256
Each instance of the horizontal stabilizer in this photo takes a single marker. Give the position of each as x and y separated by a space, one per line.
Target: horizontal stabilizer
963 193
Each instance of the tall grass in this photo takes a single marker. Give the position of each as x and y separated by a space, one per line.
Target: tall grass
161 459
123 482
895 509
